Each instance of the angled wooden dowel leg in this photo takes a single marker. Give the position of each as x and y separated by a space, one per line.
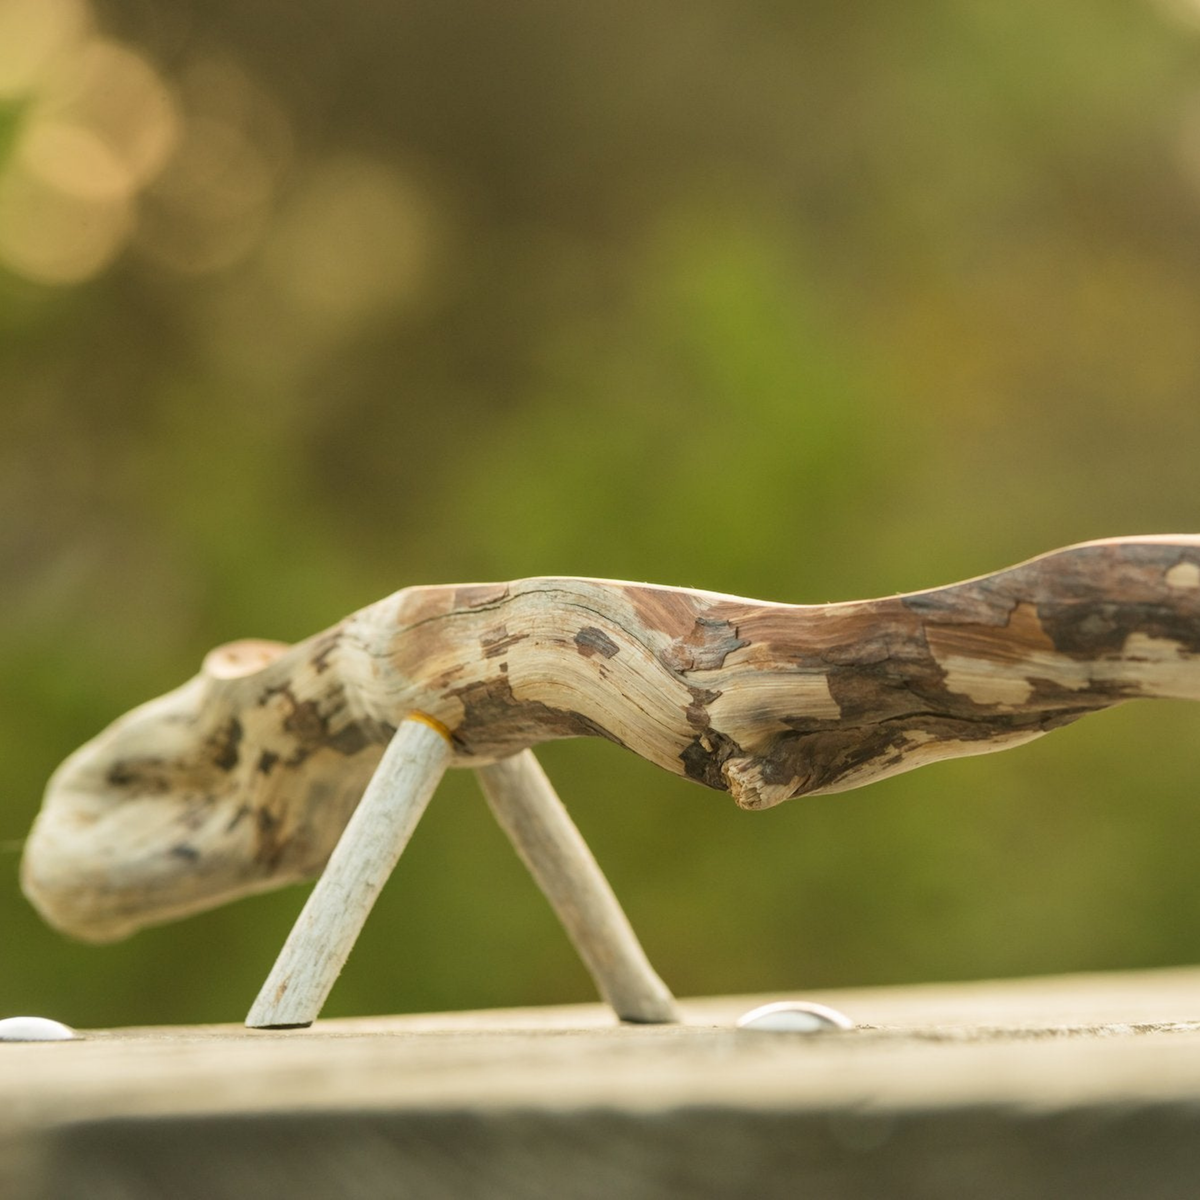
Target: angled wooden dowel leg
366 854
530 812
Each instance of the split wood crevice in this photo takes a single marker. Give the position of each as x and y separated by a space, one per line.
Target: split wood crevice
246 777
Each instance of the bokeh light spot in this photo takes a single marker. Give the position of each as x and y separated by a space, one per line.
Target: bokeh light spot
357 238
32 34
210 205
74 160
57 237
95 123
113 91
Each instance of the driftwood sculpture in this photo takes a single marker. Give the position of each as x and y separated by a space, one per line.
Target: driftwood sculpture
247 777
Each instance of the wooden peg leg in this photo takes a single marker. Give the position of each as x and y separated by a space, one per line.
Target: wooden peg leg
530 812
369 848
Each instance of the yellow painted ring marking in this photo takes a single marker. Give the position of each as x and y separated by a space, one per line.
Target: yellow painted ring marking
432 722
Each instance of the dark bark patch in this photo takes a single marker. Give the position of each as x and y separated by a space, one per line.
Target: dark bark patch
312 728
981 602
891 688
704 648
305 723
697 711
818 760
498 641
185 852
495 721
1090 599
141 776
704 756
1101 629
323 649
226 745
874 632
590 640
352 739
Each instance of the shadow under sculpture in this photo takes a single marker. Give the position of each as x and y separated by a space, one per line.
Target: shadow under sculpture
279 763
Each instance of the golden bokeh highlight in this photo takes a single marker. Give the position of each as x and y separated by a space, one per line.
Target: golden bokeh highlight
210 206
56 236
357 237
33 34
93 124
104 152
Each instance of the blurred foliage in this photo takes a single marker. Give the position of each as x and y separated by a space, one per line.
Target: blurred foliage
798 301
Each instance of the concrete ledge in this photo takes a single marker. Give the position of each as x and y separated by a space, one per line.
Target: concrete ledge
1083 1086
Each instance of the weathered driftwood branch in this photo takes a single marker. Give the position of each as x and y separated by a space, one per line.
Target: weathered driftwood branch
244 778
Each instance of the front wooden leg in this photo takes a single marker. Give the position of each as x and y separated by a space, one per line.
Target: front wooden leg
366 854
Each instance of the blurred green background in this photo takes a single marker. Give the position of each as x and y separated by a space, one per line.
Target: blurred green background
304 303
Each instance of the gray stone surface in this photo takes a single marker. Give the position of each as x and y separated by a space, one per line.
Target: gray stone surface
1083 1086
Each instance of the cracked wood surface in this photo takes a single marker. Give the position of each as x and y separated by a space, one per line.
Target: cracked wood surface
244 778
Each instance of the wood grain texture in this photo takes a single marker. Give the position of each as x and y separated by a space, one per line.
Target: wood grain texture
244 778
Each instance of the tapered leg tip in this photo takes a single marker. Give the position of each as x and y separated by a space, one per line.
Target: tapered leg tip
649 1014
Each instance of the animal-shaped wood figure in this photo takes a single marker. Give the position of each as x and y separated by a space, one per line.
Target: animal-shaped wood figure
278 763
